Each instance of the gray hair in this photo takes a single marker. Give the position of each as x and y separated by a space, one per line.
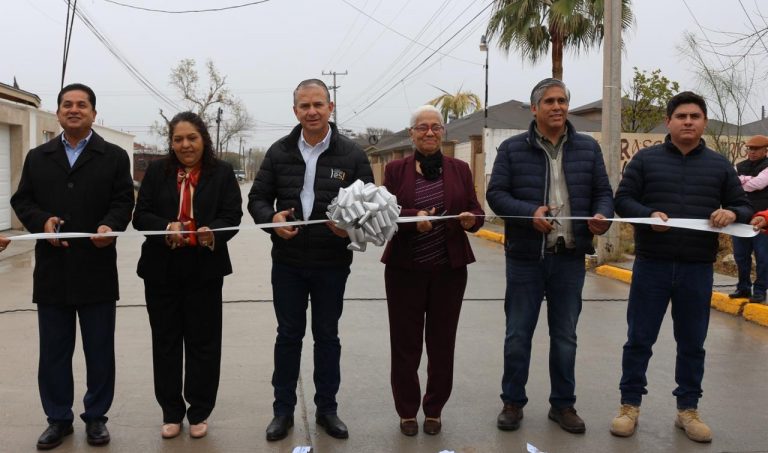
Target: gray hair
312 82
424 109
538 91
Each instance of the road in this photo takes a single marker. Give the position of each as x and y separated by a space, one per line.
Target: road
735 388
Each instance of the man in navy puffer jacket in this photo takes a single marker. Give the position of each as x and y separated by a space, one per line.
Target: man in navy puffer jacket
680 178
543 175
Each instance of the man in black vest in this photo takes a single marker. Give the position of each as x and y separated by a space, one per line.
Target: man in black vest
301 173
753 174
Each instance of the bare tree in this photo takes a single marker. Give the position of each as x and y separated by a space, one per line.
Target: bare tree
750 42
205 101
726 83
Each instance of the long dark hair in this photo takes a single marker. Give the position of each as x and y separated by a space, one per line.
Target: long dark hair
209 158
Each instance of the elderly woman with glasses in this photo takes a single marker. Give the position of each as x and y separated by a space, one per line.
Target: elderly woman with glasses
426 269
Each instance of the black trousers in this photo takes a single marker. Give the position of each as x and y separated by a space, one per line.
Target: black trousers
292 287
58 329
185 316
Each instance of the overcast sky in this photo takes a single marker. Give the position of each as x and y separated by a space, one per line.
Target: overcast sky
267 48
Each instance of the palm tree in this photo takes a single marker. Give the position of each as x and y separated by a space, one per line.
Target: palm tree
458 104
532 26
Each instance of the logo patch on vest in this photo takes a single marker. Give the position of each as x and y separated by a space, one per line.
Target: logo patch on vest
338 174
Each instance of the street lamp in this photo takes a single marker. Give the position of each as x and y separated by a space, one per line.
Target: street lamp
484 48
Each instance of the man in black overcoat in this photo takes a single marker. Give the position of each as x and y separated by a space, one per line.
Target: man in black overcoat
77 182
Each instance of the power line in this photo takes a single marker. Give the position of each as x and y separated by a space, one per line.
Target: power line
70 22
210 10
404 67
357 113
392 70
132 70
350 42
400 34
754 27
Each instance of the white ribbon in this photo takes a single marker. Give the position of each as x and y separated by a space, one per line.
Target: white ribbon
735 229
367 212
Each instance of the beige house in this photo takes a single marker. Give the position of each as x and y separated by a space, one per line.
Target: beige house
24 126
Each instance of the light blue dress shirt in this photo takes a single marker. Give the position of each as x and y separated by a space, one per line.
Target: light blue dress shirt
310 155
74 153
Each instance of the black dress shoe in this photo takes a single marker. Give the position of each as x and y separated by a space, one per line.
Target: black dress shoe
53 436
279 426
740 294
333 425
97 433
757 299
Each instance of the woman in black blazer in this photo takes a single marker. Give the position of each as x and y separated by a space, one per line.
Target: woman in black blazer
189 190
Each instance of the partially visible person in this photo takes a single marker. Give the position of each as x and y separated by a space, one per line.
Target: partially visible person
760 224
301 173
77 182
760 221
4 243
680 178
426 269
189 190
550 171
753 174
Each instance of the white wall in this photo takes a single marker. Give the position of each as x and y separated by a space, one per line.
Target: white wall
121 139
5 177
463 151
492 138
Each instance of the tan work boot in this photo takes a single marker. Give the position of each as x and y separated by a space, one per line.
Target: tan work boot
696 430
624 424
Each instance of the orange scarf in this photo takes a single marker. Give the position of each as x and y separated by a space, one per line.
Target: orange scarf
186 181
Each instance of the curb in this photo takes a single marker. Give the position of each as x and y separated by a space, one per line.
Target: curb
756 313
490 235
615 273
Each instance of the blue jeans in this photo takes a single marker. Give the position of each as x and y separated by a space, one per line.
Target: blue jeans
654 284
291 289
560 278
742 254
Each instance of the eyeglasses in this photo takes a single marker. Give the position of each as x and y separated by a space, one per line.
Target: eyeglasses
423 128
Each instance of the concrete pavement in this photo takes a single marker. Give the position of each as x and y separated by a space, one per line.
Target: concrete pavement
734 403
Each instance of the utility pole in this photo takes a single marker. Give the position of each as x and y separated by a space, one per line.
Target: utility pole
218 127
333 87
241 155
608 244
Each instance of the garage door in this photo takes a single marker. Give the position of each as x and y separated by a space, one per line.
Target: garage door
5 177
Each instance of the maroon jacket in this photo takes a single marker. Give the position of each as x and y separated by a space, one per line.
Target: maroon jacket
459 196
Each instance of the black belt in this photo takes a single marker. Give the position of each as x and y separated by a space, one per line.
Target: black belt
559 248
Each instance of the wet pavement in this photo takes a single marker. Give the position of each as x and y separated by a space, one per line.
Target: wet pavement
735 383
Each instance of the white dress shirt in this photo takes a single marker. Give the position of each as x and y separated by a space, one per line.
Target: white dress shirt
311 154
